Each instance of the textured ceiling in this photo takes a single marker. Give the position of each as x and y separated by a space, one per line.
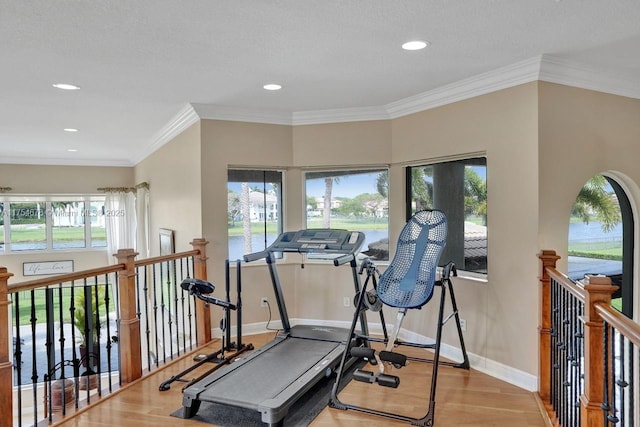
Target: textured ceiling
140 63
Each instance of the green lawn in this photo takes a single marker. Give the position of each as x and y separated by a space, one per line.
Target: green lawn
39 302
599 250
60 235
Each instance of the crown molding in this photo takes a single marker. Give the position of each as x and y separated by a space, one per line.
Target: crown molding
220 112
186 117
561 71
52 161
546 68
481 84
340 115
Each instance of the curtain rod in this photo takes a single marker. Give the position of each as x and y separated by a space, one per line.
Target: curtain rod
124 189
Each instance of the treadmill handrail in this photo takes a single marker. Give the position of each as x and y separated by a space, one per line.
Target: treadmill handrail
256 256
343 259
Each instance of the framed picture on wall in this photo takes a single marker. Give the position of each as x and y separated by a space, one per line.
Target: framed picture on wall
166 242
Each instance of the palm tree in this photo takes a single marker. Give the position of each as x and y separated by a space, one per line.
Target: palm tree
245 207
326 211
233 207
475 194
595 199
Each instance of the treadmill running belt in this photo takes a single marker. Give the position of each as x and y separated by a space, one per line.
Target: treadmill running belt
266 376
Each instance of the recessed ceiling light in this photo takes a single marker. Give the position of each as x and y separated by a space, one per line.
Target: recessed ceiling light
272 86
415 45
72 150
70 130
66 86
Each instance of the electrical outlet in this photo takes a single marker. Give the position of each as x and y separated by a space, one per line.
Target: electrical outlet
264 302
346 301
463 325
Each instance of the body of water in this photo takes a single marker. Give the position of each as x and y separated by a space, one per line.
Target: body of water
581 232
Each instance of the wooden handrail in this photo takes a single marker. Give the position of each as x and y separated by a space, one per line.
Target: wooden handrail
575 288
78 275
165 258
627 327
62 278
595 293
129 324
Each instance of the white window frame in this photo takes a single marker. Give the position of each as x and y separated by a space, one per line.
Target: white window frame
48 211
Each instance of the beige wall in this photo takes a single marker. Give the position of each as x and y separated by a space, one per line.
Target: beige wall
59 180
502 313
227 144
584 133
342 144
39 180
173 173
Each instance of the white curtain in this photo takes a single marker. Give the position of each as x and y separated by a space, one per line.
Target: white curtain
142 219
120 222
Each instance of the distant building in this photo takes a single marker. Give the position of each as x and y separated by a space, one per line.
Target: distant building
257 202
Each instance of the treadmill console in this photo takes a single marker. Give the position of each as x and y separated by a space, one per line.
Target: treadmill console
319 241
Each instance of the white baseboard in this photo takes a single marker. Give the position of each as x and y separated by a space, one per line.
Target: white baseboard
487 366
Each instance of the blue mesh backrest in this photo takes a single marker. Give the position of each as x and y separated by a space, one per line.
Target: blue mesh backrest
408 281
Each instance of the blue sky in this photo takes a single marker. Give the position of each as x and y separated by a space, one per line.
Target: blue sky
348 186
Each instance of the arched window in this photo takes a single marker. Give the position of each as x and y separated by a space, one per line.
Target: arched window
601 237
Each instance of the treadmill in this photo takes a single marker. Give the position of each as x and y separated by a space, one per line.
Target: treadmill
275 376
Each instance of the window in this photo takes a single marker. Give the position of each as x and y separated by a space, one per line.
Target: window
2 227
601 237
67 225
355 200
51 223
459 189
254 216
98 231
27 226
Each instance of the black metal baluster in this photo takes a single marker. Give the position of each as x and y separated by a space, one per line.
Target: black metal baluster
147 330
563 358
613 411
34 367
48 344
573 378
554 345
605 382
88 333
116 288
109 345
182 305
61 339
74 352
191 306
162 307
139 309
155 312
166 287
173 285
622 407
98 328
580 356
632 380
17 353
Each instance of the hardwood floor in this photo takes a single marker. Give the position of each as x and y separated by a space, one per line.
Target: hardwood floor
463 398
